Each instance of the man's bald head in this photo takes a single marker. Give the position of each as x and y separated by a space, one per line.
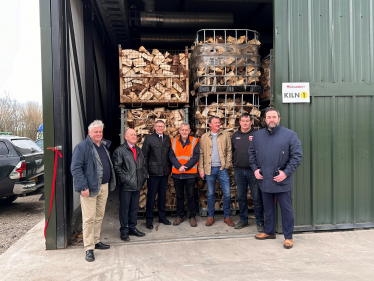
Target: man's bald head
130 136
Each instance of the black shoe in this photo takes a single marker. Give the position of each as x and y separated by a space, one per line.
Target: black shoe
90 255
136 232
101 246
165 222
149 225
241 224
125 237
260 228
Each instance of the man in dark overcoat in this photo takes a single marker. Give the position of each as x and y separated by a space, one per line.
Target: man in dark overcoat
274 154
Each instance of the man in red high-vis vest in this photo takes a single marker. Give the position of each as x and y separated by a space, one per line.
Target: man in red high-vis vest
184 157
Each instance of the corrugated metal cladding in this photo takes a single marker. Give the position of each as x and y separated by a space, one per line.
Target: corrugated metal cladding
329 43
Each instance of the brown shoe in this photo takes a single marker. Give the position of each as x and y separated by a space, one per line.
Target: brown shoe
178 221
229 222
263 236
210 221
288 244
193 222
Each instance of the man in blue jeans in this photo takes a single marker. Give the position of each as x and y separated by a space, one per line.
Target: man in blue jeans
215 159
244 175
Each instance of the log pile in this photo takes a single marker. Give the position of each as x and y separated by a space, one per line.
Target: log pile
219 195
230 62
171 198
152 76
265 78
143 121
228 112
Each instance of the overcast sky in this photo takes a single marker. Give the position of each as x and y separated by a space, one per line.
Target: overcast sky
20 64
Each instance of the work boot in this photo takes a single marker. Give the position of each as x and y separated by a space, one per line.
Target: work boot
288 244
229 222
210 221
178 221
241 224
263 236
193 222
90 255
260 228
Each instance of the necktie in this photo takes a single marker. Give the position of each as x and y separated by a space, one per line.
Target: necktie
161 138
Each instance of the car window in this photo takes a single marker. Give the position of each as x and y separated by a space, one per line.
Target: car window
26 146
40 143
3 148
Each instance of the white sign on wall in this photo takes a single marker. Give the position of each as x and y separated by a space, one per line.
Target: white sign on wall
295 93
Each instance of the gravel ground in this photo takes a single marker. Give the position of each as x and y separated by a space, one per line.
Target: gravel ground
19 217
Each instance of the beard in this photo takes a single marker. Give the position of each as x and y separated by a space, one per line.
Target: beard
272 125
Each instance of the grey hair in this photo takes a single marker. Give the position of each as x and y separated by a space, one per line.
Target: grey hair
272 109
96 123
185 124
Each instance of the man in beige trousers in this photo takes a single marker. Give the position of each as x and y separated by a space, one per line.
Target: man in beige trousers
93 175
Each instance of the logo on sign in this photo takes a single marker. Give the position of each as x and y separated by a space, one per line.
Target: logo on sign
250 138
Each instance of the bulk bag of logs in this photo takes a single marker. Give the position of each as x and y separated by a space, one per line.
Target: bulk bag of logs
153 76
143 121
225 60
228 108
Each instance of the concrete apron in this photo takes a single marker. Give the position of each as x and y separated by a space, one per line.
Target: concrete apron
110 233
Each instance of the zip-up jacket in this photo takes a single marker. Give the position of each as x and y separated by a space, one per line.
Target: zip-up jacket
84 167
270 151
131 174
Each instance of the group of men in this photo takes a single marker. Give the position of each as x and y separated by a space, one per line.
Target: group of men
264 160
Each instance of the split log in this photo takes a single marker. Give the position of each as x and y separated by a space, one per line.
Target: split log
156 72
228 112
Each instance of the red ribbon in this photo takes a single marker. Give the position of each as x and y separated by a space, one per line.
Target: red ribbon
53 185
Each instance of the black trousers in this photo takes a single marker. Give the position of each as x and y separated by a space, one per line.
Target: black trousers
156 185
179 185
128 210
284 200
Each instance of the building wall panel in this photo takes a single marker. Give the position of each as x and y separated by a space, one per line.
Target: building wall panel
330 45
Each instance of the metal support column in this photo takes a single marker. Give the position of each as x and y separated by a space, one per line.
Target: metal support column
88 59
60 112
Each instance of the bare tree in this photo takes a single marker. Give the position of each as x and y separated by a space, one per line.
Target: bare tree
21 119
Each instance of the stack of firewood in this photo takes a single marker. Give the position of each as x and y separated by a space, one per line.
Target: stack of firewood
230 63
219 195
227 112
143 121
171 199
153 76
265 78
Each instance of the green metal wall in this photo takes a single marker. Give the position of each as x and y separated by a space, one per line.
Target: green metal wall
329 43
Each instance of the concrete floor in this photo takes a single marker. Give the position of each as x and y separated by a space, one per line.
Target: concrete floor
110 228
202 253
315 256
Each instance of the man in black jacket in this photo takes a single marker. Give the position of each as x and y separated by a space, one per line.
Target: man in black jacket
274 154
129 164
156 149
244 175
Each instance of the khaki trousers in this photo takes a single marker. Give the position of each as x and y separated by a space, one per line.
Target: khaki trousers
93 209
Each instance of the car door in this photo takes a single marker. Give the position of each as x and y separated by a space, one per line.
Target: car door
32 154
8 160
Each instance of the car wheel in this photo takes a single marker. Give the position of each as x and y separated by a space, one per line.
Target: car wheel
8 199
